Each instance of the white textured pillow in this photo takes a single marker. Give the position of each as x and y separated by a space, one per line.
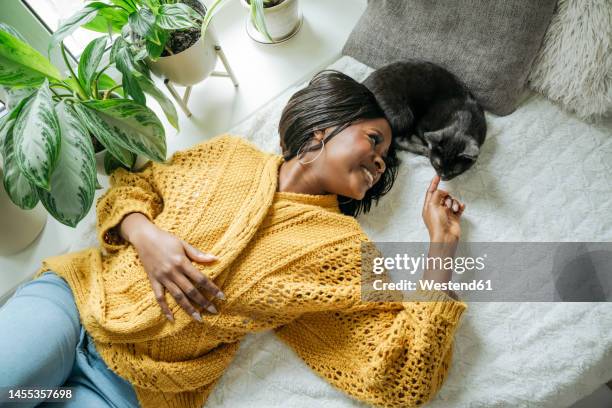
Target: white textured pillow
574 65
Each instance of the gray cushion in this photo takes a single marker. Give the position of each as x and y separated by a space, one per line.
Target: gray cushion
489 44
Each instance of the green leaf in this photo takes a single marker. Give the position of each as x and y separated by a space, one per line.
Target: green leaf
111 163
12 115
74 84
11 97
74 179
135 127
81 17
258 18
141 54
125 4
156 42
19 189
166 104
142 21
105 133
124 61
89 62
115 17
37 138
177 17
21 65
12 31
105 82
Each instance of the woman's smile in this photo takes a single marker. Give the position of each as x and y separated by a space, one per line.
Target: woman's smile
369 177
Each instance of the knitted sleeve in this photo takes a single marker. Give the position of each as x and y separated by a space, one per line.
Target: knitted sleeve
388 358
129 192
142 191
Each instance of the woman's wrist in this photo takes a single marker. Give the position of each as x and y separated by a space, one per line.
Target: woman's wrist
443 238
134 226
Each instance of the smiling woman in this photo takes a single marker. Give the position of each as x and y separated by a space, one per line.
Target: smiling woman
243 241
338 118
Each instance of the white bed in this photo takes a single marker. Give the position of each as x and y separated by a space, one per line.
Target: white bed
543 175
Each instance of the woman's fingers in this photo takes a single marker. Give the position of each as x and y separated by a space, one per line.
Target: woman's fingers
182 299
433 186
461 209
193 293
202 282
158 290
454 205
197 255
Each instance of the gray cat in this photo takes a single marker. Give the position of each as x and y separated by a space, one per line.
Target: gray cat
433 113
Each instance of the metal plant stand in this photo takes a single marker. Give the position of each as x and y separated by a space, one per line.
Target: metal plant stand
183 100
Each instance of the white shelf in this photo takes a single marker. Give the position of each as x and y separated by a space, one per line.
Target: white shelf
263 72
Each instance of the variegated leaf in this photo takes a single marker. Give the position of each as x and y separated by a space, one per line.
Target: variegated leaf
177 17
133 126
166 104
74 178
89 61
37 138
104 134
19 189
142 21
81 17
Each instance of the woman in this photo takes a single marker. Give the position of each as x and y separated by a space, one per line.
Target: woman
287 256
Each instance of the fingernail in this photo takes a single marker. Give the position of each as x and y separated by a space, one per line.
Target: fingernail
455 207
169 317
210 257
220 295
212 309
196 316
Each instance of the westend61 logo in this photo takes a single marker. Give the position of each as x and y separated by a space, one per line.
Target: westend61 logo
488 271
413 264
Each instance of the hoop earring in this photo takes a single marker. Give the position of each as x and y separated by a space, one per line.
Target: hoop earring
300 149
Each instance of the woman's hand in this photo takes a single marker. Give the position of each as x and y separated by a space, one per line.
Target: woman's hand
441 213
167 261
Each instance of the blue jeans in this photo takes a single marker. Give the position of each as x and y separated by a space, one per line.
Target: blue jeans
43 345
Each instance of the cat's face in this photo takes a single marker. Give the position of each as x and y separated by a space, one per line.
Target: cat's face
452 156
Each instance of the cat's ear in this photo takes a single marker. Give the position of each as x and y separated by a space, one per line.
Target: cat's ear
471 150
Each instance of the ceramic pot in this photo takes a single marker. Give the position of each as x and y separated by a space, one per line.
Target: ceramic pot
283 22
190 66
18 228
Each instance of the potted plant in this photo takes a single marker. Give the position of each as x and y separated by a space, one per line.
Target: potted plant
18 228
47 138
272 21
163 35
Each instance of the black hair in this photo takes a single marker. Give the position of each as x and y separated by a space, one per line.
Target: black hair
334 99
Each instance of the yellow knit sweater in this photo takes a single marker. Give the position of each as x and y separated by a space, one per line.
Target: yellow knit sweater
288 262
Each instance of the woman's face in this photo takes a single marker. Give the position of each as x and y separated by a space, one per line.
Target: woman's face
352 161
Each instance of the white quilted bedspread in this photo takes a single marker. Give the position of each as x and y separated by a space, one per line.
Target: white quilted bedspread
543 175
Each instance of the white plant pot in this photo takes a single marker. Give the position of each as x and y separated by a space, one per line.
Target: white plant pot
138 164
190 66
18 228
283 22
